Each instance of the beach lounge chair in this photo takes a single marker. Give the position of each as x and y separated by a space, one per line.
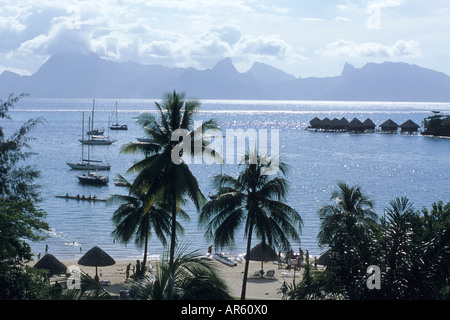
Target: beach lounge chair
257 274
270 274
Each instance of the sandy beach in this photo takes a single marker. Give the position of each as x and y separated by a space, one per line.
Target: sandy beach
265 288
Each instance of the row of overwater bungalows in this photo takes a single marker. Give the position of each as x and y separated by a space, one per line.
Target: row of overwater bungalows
355 125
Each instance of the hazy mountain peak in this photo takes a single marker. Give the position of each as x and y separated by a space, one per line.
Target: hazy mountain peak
348 69
225 65
77 75
268 74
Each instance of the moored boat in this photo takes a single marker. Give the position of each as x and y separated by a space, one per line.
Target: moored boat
82 197
221 258
93 178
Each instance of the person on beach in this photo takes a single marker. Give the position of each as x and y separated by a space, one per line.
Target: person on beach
210 250
127 272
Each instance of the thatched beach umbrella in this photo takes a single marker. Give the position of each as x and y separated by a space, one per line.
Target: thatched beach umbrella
51 264
324 258
96 257
262 252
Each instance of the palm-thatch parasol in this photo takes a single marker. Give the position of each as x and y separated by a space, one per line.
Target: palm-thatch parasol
324 258
50 263
262 252
96 257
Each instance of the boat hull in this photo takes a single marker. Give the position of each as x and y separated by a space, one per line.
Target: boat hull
93 180
119 127
85 166
97 142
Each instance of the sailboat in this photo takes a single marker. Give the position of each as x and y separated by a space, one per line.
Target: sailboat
95 139
118 126
87 164
93 178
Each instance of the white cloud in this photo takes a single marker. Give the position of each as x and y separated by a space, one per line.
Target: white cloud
400 48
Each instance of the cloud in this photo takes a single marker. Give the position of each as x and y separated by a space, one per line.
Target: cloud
400 48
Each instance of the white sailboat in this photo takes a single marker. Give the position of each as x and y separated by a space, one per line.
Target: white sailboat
118 126
95 139
88 164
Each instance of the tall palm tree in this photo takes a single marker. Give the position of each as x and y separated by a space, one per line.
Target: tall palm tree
136 217
158 174
346 226
255 200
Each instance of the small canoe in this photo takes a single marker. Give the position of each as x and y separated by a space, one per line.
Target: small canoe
83 198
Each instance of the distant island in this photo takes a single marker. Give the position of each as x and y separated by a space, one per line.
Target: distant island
73 75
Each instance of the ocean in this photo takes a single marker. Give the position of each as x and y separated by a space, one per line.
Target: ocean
385 166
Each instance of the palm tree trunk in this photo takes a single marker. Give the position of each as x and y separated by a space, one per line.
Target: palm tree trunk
172 246
247 263
144 262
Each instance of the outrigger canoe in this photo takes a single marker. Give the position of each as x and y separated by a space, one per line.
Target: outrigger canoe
83 198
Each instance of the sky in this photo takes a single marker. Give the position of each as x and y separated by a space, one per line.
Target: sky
302 37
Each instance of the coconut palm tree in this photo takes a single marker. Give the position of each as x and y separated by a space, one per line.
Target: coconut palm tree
164 170
346 228
255 200
136 217
195 278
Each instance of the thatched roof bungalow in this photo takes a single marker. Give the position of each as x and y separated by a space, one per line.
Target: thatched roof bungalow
326 123
409 126
369 124
337 124
315 123
389 125
344 121
356 126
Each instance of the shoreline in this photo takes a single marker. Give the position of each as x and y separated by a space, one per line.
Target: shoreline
259 289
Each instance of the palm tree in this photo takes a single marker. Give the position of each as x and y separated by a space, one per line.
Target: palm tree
195 278
346 226
158 174
137 216
255 200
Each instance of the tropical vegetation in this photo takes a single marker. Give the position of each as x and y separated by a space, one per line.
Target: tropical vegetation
437 124
409 247
255 200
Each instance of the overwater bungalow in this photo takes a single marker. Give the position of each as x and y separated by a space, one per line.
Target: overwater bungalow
356 126
326 123
389 126
315 123
369 125
409 127
344 122
337 125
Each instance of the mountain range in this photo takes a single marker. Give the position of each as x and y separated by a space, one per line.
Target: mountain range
89 76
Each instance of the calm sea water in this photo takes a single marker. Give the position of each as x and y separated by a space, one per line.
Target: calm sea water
384 165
